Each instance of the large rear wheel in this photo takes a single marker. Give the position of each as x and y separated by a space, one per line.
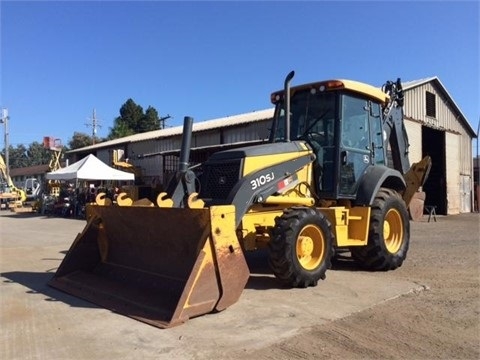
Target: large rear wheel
389 235
301 247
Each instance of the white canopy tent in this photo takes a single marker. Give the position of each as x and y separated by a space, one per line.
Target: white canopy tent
89 168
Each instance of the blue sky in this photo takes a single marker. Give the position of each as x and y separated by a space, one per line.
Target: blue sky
61 60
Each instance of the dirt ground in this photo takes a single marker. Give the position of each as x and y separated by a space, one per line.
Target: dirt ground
442 322
354 314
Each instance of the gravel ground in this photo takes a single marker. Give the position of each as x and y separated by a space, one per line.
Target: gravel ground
354 314
442 322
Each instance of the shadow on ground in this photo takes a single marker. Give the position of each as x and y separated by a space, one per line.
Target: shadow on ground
262 277
36 283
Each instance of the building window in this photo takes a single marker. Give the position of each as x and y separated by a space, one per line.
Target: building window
431 107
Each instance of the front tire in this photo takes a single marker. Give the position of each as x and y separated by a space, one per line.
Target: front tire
389 235
301 247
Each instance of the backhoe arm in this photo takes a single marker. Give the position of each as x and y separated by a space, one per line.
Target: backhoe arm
396 135
394 127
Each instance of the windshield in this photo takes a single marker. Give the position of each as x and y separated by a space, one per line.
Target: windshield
311 112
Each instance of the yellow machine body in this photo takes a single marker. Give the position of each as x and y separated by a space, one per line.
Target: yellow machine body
163 265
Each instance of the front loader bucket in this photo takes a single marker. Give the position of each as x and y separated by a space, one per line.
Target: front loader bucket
157 265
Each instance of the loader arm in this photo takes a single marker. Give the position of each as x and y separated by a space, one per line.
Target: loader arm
246 192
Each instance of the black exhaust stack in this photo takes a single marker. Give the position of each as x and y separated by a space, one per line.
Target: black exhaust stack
287 104
183 184
186 141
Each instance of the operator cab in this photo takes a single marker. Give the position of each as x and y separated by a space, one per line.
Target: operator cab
341 120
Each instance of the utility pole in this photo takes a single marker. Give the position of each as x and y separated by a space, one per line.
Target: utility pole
4 121
162 121
477 162
94 124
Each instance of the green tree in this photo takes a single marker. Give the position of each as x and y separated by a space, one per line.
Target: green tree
150 121
119 130
133 120
80 140
17 156
37 154
21 156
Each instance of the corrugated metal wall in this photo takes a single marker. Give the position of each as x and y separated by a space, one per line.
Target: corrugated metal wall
206 138
445 120
465 194
105 155
152 167
453 174
259 130
414 132
457 141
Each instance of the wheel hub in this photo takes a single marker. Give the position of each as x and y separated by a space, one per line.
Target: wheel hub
386 229
310 247
393 231
305 246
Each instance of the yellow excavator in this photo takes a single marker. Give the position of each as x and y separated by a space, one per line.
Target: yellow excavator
334 176
10 194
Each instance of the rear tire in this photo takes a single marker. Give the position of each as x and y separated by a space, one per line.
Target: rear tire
389 235
301 247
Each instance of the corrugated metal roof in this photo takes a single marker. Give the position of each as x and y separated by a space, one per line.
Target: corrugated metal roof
177 130
415 83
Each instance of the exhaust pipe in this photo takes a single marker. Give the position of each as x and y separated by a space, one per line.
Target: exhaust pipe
287 104
186 141
183 183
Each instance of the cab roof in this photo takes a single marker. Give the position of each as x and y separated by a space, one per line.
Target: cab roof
340 84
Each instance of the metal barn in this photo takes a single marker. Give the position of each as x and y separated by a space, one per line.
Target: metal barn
155 153
435 126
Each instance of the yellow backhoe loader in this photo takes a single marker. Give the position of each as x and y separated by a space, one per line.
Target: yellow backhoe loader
10 195
321 184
